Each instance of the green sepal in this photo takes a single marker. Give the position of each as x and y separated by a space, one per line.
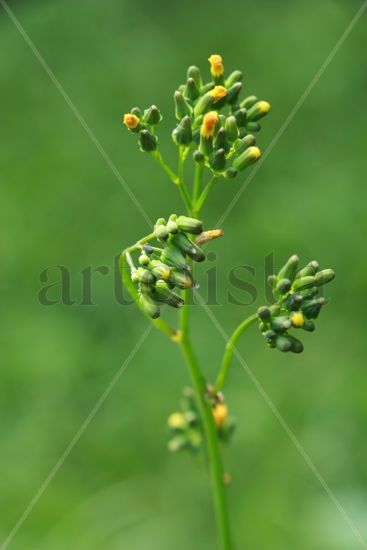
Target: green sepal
230 173
220 140
231 128
253 126
234 77
182 106
241 117
162 293
204 104
312 308
245 159
182 134
248 102
189 225
198 157
325 276
310 269
192 91
245 143
234 92
218 160
149 306
289 270
194 73
303 282
152 116
161 232
173 257
182 280
283 286
147 141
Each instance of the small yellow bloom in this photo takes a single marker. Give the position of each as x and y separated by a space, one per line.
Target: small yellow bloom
297 319
263 106
218 92
176 421
176 336
216 65
220 414
209 123
131 121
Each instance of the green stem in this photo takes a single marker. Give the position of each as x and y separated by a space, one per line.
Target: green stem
199 168
180 180
229 351
158 157
215 463
199 202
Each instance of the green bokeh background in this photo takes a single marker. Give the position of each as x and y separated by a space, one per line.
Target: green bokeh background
62 205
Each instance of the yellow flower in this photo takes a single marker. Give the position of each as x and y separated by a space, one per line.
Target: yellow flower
297 319
176 421
220 414
210 120
218 92
263 106
216 65
131 121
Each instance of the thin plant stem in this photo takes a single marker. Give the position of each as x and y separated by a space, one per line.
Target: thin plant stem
229 351
211 437
199 202
180 180
199 168
158 157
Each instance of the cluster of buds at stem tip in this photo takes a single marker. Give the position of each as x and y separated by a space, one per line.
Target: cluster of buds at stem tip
185 428
298 303
224 143
212 120
163 270
143 123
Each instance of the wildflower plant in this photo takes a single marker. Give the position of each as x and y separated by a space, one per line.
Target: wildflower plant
216 129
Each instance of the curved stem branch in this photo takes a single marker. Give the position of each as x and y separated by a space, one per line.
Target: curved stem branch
229 351
199 202
211 436
199 168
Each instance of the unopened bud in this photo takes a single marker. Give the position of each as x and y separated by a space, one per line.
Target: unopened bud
148 142
259 110
207 236
234 77
248 157
152 116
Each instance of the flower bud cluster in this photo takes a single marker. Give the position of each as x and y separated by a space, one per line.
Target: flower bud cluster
185 429
143 124
296 291
224 143
218 137
163 270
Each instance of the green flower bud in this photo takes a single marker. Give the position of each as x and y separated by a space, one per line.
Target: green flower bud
149 306
234 77
283 286
160 270
258 110
177 443
145 276
293 302
297 346
248 157
234 92
192 91
187 247
312 308
283 343
264 313
248 102
144 259
218 160
280 324
310 269
182 106
206 145
137 112
189 225
241 117
308 325
303 282
182 134
161 232
272 281
194 73
324 276
135 276
172 256
152 116
182 280
204 104
171 226
252 127
289 270
148 142
199 157
220 140
245 143
231 128
230 173
162 293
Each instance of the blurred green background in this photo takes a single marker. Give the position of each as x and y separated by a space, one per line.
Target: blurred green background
62 205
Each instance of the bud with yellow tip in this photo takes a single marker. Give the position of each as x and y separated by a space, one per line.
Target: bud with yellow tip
297 319
209 124
132 122
216 67
176 421
248 157
218 92
220 414
257 111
